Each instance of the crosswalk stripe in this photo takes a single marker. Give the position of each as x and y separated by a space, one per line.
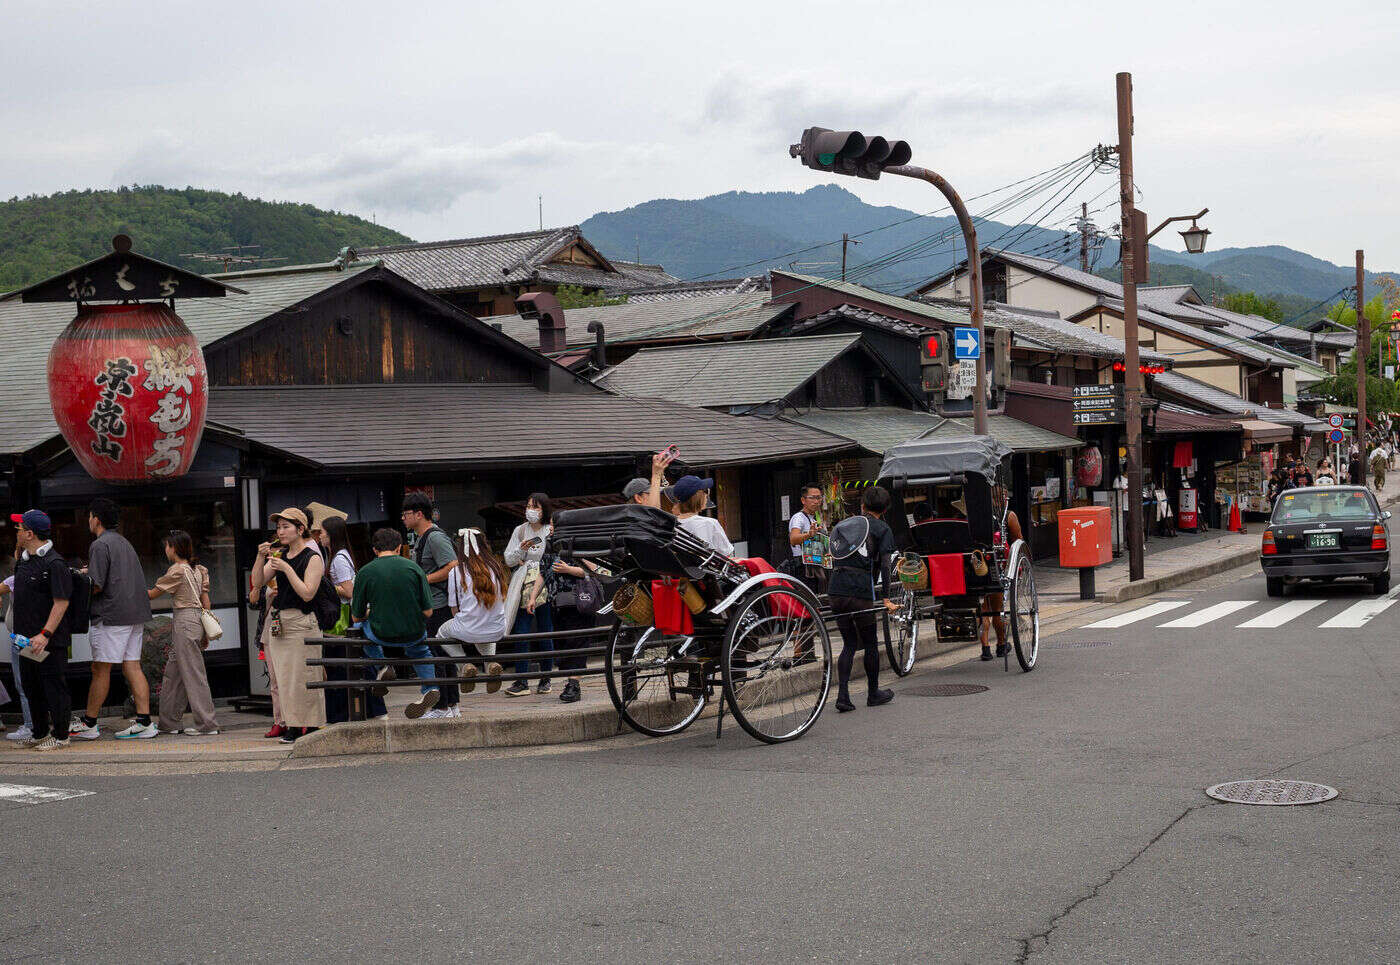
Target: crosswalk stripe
1133 616
1361 612
1280 614
33 794
1202 617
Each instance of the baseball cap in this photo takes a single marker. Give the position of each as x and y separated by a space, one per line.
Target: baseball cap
636 487
688 486
34 520
291 515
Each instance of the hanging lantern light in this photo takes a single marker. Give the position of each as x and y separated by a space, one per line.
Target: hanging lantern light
1195 238
127 381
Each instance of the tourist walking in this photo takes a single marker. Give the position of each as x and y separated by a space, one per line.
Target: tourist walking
433 552
391 604
296 569
862 548
43 587
527 603
119 611
186 681
476 592
25 730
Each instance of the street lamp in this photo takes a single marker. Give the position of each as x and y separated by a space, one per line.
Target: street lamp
853 153
1195 238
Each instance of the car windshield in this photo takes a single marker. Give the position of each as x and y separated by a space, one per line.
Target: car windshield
1299 507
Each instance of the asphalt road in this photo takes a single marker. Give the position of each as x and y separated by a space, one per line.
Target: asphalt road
1059 816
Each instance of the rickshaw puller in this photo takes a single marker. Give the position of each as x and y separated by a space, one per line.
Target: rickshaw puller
852 590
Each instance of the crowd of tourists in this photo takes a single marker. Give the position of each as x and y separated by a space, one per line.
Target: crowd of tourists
1352 469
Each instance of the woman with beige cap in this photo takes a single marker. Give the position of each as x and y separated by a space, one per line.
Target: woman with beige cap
296 569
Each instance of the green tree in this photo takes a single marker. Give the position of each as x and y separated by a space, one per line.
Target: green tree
1249 303
573 296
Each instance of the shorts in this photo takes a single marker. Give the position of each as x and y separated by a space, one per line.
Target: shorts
116 644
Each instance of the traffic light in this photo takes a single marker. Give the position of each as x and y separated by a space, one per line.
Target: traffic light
933 361
849 152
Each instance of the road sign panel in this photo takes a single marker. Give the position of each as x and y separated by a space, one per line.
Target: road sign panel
1336 435
1335 420
967 344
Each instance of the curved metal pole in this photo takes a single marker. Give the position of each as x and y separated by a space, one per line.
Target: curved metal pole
974 270
1180 217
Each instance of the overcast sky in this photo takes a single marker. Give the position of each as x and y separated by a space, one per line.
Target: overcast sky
448 119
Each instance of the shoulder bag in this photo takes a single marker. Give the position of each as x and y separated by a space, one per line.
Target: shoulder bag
213 629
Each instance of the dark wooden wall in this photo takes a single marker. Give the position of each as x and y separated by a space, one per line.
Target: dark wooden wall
368 334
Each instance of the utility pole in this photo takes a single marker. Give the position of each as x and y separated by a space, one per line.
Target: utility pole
1363 343
541 200
845 240
1084 237
1132 376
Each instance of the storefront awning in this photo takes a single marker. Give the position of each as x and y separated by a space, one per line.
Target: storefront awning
879 428
1257 430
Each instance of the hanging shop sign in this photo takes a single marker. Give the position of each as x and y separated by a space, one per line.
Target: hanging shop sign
1098 404
127 381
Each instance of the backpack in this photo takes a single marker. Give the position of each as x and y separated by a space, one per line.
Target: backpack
326 602
79 613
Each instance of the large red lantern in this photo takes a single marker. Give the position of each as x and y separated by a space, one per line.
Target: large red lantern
129 390
127 381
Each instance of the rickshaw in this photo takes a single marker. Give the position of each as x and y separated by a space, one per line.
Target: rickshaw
963 543
691 622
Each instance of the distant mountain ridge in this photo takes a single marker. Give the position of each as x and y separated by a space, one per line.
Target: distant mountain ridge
43 235
741 233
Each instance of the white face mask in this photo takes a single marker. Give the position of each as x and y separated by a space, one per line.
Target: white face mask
533 515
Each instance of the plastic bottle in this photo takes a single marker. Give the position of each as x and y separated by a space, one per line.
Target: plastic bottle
18 641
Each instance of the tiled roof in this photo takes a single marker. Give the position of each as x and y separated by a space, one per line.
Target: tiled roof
29 329
520 258
702 317
1066 274
946 313
1243 347
1166 299
719 374
1047 331
465 425
647 276
1203 395
879 428
696 289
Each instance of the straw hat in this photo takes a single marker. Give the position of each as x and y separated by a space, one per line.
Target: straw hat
320 512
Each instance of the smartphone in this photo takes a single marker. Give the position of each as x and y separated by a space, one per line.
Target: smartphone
671 452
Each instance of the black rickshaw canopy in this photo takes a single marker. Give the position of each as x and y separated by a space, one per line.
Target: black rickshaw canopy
958 456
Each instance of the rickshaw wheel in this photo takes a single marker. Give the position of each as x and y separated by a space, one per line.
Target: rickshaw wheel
1024 606
902 635
777 663
643 675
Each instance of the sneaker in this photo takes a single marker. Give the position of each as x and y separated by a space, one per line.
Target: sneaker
518 689
196 732
49 743
138 732
289 735
468 672
571 693
81 731
986 653
276 730
493 670
437 713
455 710
844 705
422 705
21 733
385 673
879 697
545 687
1003 649
171 731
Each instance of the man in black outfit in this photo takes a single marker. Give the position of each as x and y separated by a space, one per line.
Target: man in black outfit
852 592
43 587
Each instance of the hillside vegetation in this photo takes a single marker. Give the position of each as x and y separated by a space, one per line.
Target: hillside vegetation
43 235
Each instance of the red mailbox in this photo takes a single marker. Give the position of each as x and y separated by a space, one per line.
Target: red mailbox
1086 538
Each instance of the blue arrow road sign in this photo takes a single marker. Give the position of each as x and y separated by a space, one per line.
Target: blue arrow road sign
1336 435
966 344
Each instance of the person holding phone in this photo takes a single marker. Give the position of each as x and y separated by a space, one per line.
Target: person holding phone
527 604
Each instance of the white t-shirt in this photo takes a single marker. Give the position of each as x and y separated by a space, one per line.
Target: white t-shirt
708 529
342 568
472 622
802 523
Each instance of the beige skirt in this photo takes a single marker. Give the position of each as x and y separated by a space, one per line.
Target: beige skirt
288 653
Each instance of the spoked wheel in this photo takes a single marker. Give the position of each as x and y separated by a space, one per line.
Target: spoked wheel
777 663
1024 607
654 691
902 635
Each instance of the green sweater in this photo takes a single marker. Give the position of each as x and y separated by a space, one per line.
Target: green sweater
394 592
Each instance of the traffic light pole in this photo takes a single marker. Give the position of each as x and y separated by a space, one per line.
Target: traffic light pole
974 274
1132 374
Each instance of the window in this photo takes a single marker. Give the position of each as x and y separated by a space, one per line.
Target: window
994 283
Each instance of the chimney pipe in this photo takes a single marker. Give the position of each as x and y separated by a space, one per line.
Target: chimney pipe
600 352
545 308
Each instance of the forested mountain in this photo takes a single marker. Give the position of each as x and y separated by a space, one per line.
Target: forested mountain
741 233
40 236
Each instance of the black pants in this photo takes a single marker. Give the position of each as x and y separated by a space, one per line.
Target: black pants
857 633
46 687
449 695
568 618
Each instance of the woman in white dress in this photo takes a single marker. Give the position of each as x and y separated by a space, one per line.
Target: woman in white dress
476 592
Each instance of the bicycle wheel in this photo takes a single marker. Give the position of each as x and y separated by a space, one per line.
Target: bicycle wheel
776 663
902 635
1024 606
654 691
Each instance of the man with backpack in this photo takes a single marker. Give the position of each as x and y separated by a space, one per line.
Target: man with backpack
119 612
43 589
435 556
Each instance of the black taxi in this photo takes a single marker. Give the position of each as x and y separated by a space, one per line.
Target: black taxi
1325 533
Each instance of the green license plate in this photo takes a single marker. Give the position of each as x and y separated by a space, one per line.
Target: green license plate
1323 541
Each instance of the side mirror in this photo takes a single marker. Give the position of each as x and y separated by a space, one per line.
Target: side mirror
1385 514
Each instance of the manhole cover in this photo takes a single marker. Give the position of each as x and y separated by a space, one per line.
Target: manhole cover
1079 644
1272 792
945 690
